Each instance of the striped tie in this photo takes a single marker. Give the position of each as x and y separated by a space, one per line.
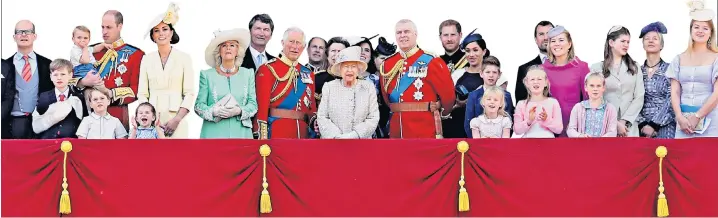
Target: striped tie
26 71
62 97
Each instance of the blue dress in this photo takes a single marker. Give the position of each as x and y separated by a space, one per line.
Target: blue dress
696 87
657 111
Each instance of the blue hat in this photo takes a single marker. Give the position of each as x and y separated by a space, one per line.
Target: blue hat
654 27
384 48
475 37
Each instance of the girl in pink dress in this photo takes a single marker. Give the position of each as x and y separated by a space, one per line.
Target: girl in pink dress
539 116
495 121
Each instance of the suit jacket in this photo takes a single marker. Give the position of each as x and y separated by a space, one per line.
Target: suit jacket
520 92
67 128
8 95
249 60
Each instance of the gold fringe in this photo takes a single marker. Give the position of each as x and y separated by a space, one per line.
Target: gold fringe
65 206
265 202
463 195
662 208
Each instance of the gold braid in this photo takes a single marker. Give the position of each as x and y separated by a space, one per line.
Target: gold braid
290 78
461 63
391 74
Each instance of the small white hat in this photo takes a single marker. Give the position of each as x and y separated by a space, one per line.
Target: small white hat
698 11
169 17
239 34
351 54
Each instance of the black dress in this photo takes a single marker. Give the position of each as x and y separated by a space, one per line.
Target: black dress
454 127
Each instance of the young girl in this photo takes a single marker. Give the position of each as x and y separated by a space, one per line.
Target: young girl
148 121
594 117
539 116
100 124
494 122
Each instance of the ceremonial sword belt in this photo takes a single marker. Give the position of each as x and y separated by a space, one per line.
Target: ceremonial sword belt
414 107
289 114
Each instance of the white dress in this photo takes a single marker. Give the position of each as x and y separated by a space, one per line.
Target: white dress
493 128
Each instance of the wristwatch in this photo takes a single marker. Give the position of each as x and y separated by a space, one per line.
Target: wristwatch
628 124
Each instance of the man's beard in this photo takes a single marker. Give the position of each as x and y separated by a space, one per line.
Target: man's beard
543 50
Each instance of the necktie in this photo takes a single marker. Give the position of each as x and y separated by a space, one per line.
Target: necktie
26 71
259 59
62 97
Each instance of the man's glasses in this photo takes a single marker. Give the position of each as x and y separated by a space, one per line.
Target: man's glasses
24 32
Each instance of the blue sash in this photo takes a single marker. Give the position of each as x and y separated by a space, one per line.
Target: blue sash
122 54
406 80
290 102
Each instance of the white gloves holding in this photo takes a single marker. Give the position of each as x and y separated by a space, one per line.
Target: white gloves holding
61 110
226 112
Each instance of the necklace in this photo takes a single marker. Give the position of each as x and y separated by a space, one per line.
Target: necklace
163 60
225 71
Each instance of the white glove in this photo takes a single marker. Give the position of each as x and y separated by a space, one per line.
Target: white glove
62 109
234 111
220 112
349 135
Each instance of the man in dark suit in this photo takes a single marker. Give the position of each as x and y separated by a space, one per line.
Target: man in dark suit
32 77
8 95
541 37
60 110
261 28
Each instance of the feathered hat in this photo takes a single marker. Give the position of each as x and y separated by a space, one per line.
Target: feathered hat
169 17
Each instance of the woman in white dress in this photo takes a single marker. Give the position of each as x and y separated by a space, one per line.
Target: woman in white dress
349 108
167 77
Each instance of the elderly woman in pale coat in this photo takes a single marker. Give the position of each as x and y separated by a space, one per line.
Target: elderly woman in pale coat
349 107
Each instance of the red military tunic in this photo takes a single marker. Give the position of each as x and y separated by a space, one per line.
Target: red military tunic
120 69
285 111
432 83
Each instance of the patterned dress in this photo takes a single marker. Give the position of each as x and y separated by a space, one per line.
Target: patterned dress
657 111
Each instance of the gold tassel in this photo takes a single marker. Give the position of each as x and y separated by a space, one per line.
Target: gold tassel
265 202
463 195
65 206
662 209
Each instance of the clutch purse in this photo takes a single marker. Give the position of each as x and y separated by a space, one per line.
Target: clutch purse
687 110
227 101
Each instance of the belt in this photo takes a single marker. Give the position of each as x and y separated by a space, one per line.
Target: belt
414 107
288 114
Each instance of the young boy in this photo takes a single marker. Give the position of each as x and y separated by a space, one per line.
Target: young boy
593 117
100 124
81 55
59 111
490 73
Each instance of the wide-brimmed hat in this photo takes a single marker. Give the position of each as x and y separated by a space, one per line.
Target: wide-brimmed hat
239 34
169 17
351 54
699 12
654 27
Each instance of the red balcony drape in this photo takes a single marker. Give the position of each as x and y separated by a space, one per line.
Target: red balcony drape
532 177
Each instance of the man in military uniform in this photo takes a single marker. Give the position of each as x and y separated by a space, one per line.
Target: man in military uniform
286 106
117 68
451 35
417 86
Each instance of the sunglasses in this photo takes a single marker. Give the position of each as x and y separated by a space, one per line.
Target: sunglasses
24 32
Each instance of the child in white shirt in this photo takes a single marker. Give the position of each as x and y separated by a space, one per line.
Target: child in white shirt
100 124
81 55
495 121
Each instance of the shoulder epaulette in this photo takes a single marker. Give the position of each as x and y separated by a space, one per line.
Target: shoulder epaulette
132 46
431 53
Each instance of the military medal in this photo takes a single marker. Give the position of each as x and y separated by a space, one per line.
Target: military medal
450 66
306 101
422 71
118 81
122 69
418 95
418 84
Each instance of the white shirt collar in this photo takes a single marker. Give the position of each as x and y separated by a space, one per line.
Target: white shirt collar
254 53
97 116
66 93
542 56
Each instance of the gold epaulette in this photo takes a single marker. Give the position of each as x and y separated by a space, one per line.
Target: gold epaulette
431 53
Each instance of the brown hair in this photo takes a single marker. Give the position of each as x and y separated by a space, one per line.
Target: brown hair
61 64
102 90
81 28
608 53
490 60
450 22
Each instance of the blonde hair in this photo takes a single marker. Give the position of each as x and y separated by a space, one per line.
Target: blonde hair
594 75
496 92
81 28
237 60
711 44
534 70
571 51
101 90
